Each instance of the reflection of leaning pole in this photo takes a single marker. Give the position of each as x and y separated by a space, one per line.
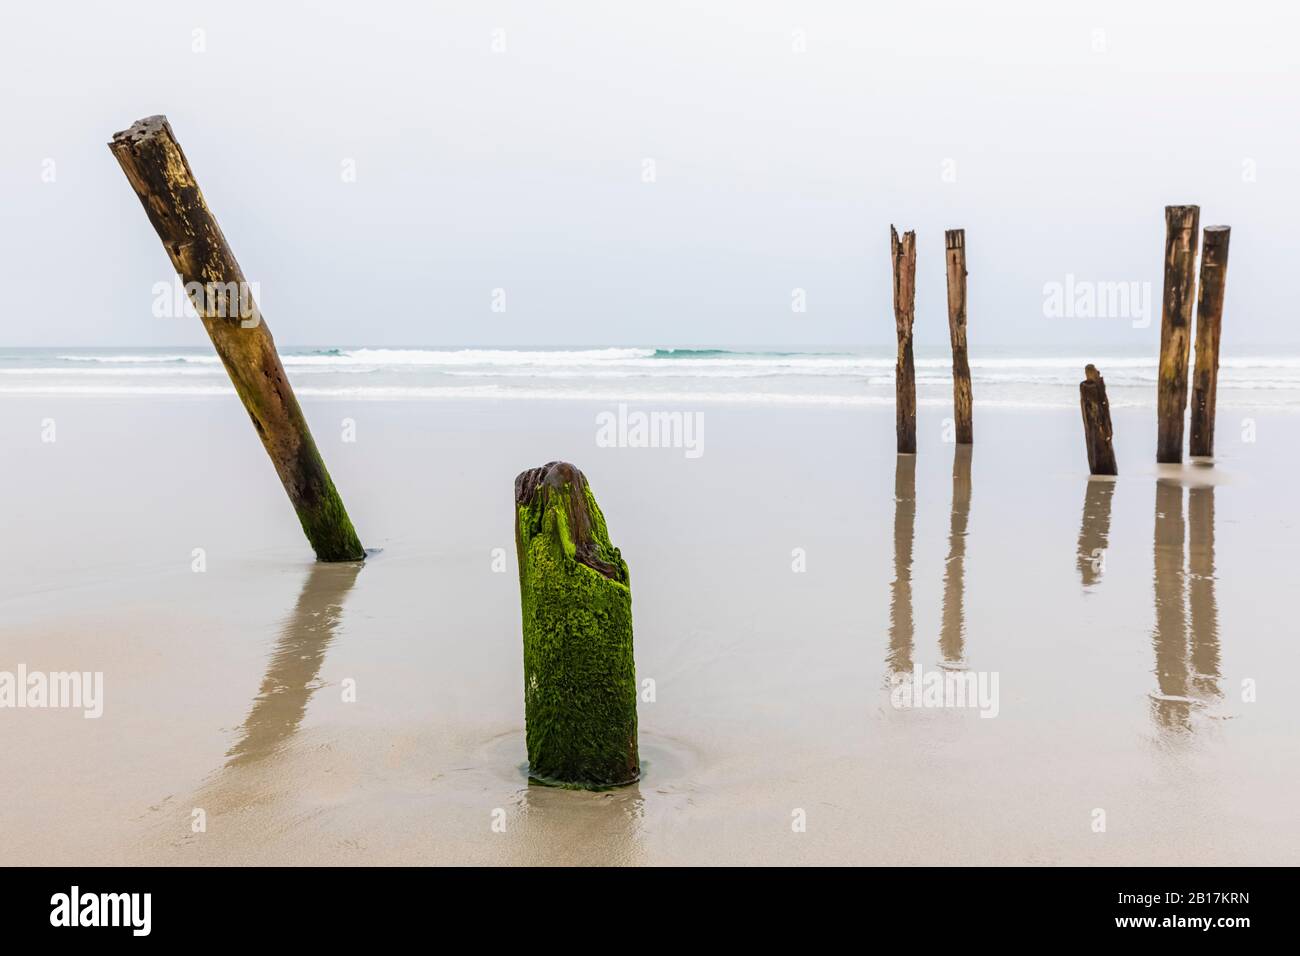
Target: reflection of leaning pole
579 674
291 676
160 175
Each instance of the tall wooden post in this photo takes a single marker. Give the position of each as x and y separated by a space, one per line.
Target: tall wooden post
1097 430
954 241
1181 224
903 253
160 175
579 674
1209 320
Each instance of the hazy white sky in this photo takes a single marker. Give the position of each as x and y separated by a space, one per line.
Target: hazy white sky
786 137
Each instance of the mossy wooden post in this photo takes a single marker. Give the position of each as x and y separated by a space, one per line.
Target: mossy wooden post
579 675
954 241
1209 320
1181 224
1097 431
160 175
903 253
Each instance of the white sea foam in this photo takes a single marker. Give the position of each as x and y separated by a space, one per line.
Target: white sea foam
490 392
662 359
636 374
141 359
48 372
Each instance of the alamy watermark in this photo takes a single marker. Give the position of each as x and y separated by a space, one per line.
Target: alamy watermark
1085 299
72 690
130 910
945 688
634 429
214 300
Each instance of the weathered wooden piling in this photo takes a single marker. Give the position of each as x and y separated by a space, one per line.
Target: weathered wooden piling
903 253
579 675
1181 224
159 173
954 241
1209 321
1097 431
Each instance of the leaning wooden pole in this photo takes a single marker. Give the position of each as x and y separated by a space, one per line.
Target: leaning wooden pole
903 253
954 241
579 675
1181 224
1097 431
160 175
1209 321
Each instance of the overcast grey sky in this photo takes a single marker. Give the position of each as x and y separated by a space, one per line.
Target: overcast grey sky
785 136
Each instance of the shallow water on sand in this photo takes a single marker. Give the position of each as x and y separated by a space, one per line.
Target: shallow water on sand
1140 632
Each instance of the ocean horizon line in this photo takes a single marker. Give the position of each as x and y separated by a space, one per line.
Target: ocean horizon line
842 377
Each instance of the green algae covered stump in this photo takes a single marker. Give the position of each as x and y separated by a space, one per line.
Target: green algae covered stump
579 675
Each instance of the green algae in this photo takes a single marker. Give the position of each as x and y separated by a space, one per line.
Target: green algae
579 674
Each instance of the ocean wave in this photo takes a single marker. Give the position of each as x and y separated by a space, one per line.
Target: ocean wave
50 371
695 353
141 359
488 392
667 358
872 378
461 357
155 372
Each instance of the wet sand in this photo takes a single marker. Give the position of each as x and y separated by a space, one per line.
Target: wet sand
1120 617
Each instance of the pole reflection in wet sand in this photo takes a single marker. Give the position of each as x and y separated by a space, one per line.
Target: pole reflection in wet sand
1186 636
952 636
290 678
1094 530
1200 586
1171 706
900 592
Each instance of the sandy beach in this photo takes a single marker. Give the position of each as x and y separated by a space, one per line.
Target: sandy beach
779 580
